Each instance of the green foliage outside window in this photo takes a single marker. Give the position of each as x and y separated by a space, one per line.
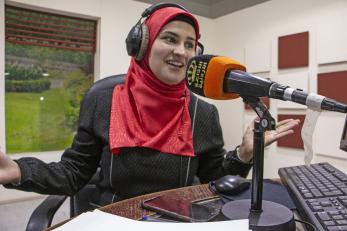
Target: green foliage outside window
21 79
46 54
77 84
44 90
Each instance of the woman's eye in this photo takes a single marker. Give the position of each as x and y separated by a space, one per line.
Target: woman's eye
189 45
170 39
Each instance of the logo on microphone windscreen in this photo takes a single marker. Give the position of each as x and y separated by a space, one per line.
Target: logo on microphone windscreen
196 75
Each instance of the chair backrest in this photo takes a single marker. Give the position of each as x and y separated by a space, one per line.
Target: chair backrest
80 202
108 82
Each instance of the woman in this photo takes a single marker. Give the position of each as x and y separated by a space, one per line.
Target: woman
149 134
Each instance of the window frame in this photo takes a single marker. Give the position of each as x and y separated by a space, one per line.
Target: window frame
96 73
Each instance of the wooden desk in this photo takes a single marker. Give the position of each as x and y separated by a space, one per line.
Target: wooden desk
131 208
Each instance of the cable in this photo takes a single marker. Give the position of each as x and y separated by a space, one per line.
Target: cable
307 223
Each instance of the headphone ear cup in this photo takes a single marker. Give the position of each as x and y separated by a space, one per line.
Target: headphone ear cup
144 43
199 49
133 40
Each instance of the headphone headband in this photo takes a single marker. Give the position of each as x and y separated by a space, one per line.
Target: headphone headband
158 6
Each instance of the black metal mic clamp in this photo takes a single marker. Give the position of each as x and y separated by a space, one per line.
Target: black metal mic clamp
267 122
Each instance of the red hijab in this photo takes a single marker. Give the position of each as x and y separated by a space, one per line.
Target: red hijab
146 112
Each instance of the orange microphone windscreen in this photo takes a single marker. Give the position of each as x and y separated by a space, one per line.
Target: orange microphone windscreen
206 73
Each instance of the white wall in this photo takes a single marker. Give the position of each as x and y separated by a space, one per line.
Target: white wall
235 35
259 27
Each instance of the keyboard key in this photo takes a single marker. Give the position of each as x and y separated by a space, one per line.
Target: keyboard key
323 216
337 192
325 204
327 223
333 213
316 193
333 193
337 228
341 222
315 204
317 208
308 195
337 217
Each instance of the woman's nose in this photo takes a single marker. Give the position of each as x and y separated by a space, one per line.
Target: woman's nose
179 49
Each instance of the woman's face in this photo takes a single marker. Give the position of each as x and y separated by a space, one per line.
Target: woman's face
171 50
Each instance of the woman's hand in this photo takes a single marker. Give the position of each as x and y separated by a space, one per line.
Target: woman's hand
9 170
283 128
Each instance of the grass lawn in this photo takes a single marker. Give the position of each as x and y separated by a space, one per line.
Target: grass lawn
34 125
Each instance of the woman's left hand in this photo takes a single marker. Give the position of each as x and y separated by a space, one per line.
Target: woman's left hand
283 128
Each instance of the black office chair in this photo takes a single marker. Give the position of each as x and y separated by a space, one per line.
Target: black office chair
42 216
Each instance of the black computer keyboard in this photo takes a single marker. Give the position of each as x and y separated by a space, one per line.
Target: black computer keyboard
319 192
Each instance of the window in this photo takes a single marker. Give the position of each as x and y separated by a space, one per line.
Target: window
49 65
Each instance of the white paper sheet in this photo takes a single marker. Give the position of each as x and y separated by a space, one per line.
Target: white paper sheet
101 221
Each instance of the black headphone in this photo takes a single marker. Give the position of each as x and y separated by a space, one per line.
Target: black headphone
137 39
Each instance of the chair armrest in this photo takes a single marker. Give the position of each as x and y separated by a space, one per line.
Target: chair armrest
43 215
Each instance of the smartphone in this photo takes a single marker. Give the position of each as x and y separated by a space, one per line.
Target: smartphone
184 210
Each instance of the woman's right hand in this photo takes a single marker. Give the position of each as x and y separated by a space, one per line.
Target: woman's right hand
9 170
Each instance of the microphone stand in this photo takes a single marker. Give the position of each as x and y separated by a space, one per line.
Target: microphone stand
262 215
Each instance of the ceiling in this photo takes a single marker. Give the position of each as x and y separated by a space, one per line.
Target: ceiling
211 8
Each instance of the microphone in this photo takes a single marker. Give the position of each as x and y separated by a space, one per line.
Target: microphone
219 77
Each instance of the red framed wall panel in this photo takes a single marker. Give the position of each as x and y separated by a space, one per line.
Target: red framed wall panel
293 50
333 85
293 140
